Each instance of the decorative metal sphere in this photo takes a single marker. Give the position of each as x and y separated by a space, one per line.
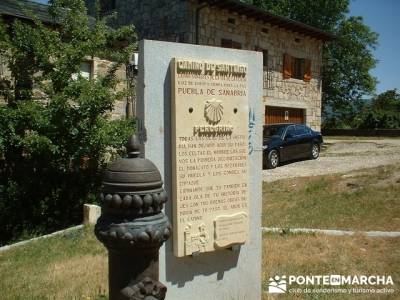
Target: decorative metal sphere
132 199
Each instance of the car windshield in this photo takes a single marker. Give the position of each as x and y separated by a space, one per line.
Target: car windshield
273 130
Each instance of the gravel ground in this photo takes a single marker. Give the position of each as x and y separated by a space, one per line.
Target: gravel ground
340 156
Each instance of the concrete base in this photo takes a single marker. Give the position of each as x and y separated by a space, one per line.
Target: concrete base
91 213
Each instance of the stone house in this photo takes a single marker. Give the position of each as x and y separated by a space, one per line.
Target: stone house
91 67
292 50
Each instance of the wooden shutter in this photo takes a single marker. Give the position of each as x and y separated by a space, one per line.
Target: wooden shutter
287 66
307 70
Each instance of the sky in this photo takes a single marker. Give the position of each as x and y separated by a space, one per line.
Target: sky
382 16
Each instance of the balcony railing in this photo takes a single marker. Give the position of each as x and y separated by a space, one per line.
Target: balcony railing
267 78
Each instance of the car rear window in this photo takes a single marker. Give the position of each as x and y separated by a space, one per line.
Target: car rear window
273 130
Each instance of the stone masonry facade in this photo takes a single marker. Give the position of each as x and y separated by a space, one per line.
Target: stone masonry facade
165 20
98 67
191 22
215 25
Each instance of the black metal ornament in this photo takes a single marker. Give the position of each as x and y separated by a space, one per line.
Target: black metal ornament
132 225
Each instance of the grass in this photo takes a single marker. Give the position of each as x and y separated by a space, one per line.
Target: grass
75 266
306 254
362 200
72 266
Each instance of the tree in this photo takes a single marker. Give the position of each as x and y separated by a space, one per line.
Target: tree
346 80
53 149
346 61
382 112
389 100
323 14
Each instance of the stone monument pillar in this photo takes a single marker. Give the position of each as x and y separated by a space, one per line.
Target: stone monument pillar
202 112
132 226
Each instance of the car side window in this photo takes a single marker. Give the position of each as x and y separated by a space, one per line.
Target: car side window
301 130
290 131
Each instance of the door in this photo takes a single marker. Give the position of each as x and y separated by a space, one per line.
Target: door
289 149
304 140
275 114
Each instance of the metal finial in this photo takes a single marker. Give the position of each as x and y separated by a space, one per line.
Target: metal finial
133 146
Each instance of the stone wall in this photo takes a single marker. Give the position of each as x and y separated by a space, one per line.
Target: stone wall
165 20
295 93
175 20
99 68
6 81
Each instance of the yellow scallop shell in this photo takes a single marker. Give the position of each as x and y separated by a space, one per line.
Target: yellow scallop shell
213 111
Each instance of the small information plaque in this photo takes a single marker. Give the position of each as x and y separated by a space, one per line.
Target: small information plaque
209 155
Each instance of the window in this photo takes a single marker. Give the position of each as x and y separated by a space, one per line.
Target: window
267 71
290 132
302 129
273 130
298 68
294 67
225 43
265 56
85 70
231 21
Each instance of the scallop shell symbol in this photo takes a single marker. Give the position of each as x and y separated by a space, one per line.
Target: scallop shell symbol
213 111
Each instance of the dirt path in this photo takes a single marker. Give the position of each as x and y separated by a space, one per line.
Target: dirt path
339 156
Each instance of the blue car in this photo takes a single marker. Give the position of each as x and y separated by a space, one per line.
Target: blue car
285 142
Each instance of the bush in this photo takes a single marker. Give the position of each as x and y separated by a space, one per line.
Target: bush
381 119
53 151
382 112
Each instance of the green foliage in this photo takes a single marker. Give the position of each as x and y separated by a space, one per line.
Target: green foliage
389 100
346 80
323 14
382 112
53 149
346 61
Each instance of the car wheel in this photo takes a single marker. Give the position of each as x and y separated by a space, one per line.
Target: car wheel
273 159
314 151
